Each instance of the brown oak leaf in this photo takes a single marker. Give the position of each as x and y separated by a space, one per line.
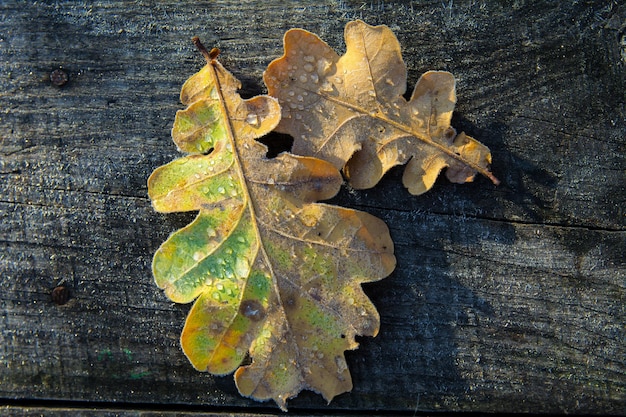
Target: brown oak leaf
350 110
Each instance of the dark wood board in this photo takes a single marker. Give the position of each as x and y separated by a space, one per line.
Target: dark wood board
508 298
77 411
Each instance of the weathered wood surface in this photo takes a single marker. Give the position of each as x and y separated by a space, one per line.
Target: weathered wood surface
508 298
20 411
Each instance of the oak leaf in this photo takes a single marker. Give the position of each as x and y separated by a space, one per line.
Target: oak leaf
272 272
350 110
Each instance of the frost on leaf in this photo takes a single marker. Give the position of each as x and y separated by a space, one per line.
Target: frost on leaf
272 272
350 110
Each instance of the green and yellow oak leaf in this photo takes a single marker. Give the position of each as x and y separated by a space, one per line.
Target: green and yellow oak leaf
350 110
273 273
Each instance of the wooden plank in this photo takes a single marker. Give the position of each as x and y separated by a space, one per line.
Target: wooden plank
38 411
17 411
504 299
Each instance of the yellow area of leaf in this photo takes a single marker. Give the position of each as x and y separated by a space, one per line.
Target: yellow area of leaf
272 272
350 110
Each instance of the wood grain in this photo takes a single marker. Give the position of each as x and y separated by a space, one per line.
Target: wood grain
508 298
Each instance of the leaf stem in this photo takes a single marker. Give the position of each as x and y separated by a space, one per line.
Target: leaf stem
208 55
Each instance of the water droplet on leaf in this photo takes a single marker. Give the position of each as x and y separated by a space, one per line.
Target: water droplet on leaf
242 268
252 119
